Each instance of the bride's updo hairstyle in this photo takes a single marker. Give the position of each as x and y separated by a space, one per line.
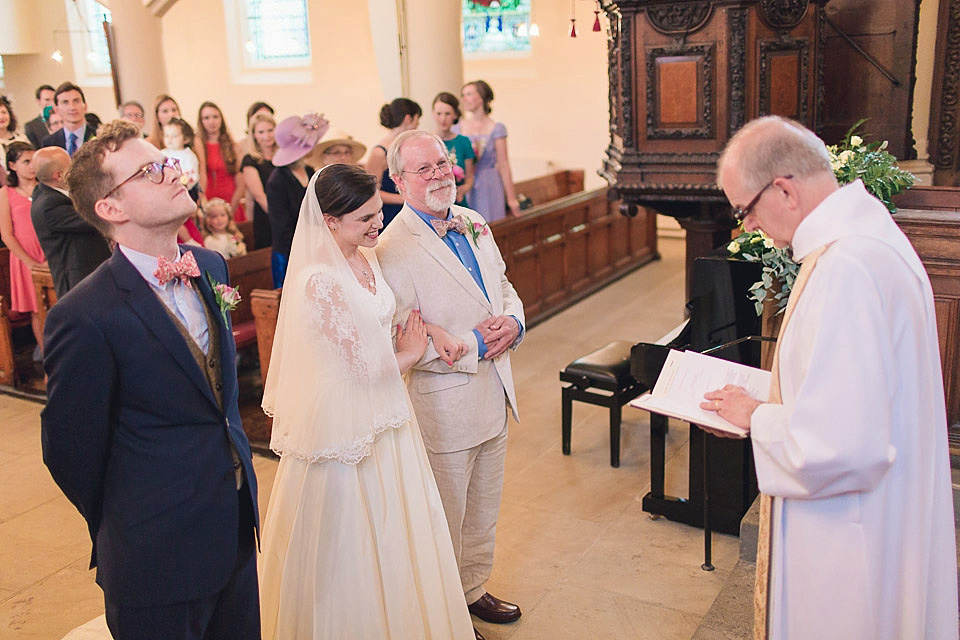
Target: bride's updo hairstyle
344 188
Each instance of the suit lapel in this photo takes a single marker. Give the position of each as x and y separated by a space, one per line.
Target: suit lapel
209 299
149 308
439 251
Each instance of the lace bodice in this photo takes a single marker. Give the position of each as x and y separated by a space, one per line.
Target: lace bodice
386 303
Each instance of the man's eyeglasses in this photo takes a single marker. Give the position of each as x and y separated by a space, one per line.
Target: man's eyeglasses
152 171
739 213
429 173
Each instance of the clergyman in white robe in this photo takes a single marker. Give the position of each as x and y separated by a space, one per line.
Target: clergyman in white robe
856 455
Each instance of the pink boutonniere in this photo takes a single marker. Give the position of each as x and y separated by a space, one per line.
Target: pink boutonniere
476 230
227 297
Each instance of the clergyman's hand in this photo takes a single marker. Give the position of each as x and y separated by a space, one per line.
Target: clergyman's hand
733 404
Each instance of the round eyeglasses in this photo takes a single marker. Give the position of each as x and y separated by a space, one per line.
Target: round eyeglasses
429 173
152 171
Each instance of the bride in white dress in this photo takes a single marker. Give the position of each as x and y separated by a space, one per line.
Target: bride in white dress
355 543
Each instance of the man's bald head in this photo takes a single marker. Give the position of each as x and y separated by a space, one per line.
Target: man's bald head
51 164
773 146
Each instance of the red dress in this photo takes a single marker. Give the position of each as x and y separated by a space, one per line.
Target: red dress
22 294
220 182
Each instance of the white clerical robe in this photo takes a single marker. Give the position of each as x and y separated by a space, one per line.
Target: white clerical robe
856 455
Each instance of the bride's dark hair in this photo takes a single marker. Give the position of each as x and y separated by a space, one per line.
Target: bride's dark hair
344 188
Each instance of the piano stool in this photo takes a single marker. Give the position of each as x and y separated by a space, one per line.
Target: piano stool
606 369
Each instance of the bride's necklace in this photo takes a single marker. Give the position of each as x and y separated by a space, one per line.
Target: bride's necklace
362 271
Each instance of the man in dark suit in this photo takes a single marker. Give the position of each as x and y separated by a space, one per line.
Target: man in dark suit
72 246
36 130
71 105
141 430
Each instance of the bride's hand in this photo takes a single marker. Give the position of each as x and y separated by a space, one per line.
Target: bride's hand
448 346
412 338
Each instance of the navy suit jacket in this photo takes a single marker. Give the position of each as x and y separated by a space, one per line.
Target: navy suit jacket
134 437
59 138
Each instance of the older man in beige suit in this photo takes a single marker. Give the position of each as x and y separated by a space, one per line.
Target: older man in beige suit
442 259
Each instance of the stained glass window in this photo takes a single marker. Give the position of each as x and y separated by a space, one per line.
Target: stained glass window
496 26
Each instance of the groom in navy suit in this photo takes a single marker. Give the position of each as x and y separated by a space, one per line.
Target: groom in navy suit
141 430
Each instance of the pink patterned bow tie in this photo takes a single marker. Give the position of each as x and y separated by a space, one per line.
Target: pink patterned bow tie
457 223
183 269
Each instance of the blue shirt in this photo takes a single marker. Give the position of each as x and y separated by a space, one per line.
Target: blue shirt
460 246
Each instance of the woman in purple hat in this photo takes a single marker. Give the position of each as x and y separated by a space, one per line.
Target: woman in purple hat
287 185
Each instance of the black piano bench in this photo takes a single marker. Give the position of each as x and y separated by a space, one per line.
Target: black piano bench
607 369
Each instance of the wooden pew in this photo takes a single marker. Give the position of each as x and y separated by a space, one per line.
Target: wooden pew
46 292
559 252
246 228
552 186
248 273
9 320
930 218
266 306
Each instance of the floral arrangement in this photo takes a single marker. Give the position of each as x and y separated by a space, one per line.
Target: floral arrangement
850 160
227 297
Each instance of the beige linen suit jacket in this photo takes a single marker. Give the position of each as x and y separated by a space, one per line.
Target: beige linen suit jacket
464 405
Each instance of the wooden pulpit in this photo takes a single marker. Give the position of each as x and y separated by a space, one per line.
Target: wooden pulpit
684 77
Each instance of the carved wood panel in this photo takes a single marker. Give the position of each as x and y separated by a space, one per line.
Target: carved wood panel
680 92
944 138
855 87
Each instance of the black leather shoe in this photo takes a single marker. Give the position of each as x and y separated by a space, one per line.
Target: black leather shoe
491 609
477 633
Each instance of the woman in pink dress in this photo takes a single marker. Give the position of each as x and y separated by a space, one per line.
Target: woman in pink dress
17 233
219 164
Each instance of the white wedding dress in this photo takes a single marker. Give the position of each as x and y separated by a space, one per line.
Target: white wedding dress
361 550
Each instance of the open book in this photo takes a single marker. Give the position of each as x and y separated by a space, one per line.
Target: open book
687 375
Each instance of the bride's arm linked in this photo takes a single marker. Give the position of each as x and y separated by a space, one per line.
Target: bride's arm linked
433 359
448 346
411 341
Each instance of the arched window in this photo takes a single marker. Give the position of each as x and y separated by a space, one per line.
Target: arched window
496 27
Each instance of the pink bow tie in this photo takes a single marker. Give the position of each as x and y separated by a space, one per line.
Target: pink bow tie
184 269
458 224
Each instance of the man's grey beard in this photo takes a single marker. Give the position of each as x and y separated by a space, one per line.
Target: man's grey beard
438 202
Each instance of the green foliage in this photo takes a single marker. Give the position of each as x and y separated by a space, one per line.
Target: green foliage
852 159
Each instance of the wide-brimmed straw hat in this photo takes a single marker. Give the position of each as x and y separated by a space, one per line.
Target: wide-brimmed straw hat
336 137
296 137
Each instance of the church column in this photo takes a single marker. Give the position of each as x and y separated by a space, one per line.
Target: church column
418 48
139 53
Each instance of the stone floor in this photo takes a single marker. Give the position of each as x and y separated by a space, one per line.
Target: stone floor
574 548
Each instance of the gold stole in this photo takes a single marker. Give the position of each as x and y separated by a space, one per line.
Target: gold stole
761 593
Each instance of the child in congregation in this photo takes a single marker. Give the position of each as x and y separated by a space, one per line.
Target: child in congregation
178 143
222 234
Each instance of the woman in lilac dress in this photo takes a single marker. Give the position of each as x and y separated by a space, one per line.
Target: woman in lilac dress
493 193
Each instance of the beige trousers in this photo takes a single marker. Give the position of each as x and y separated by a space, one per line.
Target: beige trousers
470 484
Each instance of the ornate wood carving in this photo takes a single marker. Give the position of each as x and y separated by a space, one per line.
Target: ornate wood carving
704 129
768 47
626 79
674 19
613 73
946 149
737 65
783 14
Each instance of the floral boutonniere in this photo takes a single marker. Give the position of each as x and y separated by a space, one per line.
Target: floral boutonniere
227 297
476 230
